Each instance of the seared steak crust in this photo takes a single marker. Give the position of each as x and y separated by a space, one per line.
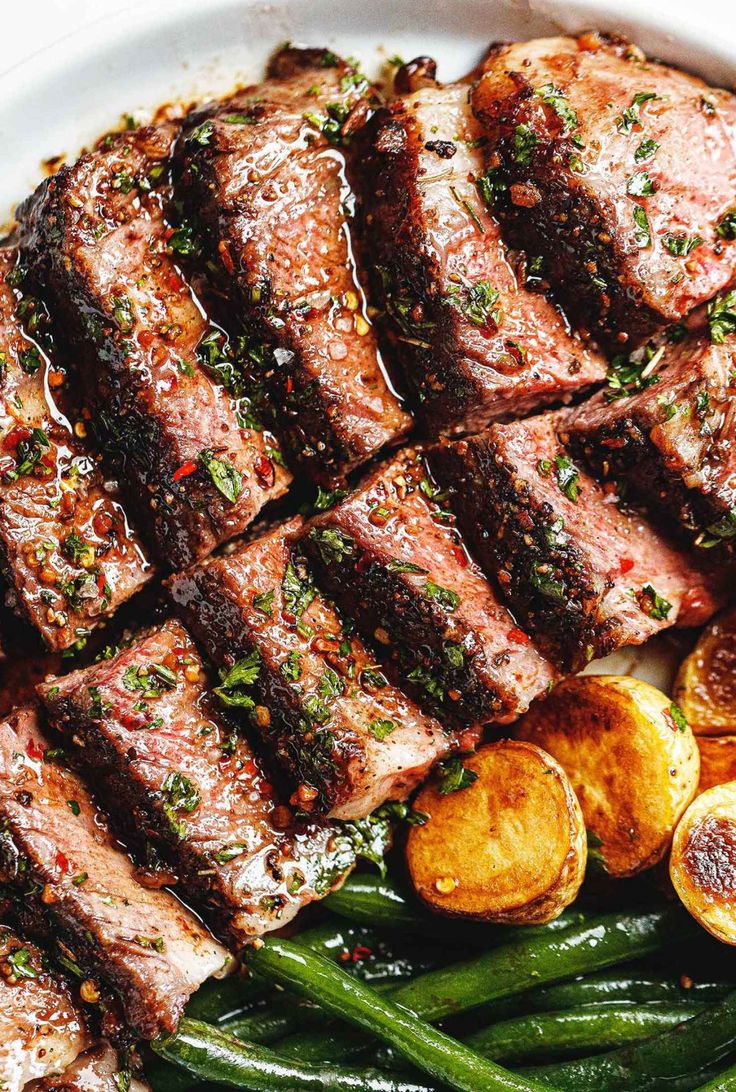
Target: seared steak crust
77 890
581 572
390 556
262 176
96 238
674 441
621 175
68 555
474 343
175 769
348 738
42 1030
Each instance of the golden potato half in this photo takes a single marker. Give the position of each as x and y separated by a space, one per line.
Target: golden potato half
509 847
717 760
705 688
630 757
703 861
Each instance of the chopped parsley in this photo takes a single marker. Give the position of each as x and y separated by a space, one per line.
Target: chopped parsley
640 185
720 531
380 728
642 232
183 241
525 141
678 717
396 566
632 114
291 668
646 150
681 245
446 598
264 602
234 683
333 545
180 794
202 135
726 226
225 477
722 317
230 852
476 301
454 776
554 97
627 376
327 498
653 604
568 477
20 963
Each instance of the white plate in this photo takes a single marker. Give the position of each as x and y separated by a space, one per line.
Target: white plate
163 50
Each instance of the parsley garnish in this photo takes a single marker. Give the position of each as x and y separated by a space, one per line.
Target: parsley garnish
455 776
653 604
525 141
264 602
380 728
333 545
681 245
722 317
568 477
642 233
640 185
446 598
726 226
225 477
181 795
476 301
631 115
20 963
241 675
202 134
646 150
554 97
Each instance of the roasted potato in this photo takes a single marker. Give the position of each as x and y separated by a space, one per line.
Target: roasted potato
717 760
504 839
703 860
705 688
630 757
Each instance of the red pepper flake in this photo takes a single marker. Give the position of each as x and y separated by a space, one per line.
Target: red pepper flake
101 583
145 338
34 750
518 636
360 951
62 863
460 556
184 470
102 523
626 565
289 385
265 470
16 436
226 257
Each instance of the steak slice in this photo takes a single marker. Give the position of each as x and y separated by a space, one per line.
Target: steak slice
74 887
675 439
582 572
100 1069
97 240
262 174
67 553
348 738
621 175
475 344
176 770
41 1028
390 556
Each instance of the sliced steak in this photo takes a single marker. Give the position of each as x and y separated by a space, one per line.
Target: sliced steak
348 738
42 1029
390 556
176 770
96 238
582 572
100 1069
621 176
67 552
262 174
674 439
475 344
76 889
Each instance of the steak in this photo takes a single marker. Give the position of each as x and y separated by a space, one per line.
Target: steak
348 739
67 552
392 559
176 770
583 572
41 1028
474 342
621 176
674 439
96 239
262 175
74 888
100 1069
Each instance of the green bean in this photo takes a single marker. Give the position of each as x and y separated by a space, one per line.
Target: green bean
674 1059
723 1082
428 1049
370 900
514 968
574 1031
594 989
209 1054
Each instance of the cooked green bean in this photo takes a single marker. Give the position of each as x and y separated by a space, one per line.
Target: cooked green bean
672 1060
724 1082
428 1049
514 968
209 1054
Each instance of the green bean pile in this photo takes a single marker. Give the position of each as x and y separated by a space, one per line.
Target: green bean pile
573 1005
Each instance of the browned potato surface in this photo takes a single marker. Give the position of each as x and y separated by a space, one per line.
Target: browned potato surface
703 860
717 760
630 757
705 688
509 846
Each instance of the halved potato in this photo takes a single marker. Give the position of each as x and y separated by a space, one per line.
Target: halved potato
705 688
703 861
630 757
504 840
717 760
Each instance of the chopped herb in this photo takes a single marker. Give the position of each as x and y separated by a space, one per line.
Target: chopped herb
181 795
726 226
150 680
264 602
73 807
230 852
490 185
476 301
646 150
427 682
653 604
640 185
632 114
373 679
330 685
202 134
291 668
722 530
122 1079
30 360
380 728
20 963
681 245
678 717
396 566
76 549
183 241
626 375
722 317
701 404
541 581
122 312
158 944
642 233
554 97
327 498
454 776
525 141
333 545
317 710
568 477
29 453
446 598
123 181
454 654
239 119
234 682
98 708
225 477
464 203
297 593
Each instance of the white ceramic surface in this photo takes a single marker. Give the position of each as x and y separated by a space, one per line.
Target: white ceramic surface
129 58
